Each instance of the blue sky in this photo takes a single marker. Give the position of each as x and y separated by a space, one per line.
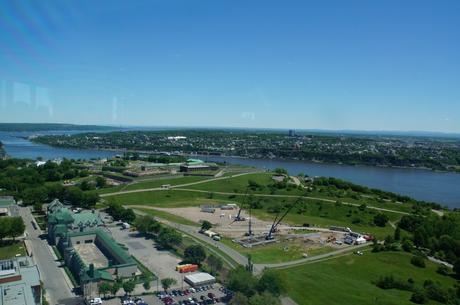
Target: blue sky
367 65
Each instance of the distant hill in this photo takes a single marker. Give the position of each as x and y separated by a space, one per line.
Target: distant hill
49 127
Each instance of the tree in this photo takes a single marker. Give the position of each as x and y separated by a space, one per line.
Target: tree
167 282
17 227
104 288
265 298
380 219
418 297
115 287
129 286
215 263
100 182
418 261
273 282
195 254
443 269
168 237
241 280
146 284
129 215
5 227
456 268
239 299
206 225
146 224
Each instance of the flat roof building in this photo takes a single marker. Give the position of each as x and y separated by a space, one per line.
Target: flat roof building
200 279
19 282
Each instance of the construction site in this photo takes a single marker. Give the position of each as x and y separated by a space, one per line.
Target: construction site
232 222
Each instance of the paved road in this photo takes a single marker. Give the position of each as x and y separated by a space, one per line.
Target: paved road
57 288
174 186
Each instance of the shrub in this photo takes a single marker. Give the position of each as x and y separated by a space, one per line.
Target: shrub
418 298
443 270
418 261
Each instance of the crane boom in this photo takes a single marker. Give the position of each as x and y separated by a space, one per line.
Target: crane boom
278 219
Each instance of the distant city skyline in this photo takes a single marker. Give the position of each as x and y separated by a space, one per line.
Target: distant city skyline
354 65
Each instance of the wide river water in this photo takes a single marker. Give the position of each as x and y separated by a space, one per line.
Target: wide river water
440 187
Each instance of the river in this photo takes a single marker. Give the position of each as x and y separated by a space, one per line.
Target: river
440 187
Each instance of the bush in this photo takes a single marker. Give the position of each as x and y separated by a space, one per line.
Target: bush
443 270
418 298
389 282
407 245
418 261
380 220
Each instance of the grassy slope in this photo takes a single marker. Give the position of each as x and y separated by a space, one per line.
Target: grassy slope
152 183
238 185
10 250
348 279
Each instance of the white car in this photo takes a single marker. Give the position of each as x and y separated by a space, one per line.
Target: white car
95 301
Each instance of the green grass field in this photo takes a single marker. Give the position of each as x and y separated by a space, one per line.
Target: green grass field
321 215
152 183
347 280
239 184
9 250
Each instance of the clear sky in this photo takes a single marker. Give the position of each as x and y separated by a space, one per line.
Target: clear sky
367 65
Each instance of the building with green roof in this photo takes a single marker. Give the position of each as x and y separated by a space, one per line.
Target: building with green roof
89 252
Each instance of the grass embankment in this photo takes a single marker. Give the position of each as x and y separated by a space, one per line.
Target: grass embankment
348 279
152 183
280 252
168 216
11 249
238 185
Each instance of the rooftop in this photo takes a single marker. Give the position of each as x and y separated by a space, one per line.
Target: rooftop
17 276
7 201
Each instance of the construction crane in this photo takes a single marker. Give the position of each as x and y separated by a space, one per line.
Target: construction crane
278 219
238 216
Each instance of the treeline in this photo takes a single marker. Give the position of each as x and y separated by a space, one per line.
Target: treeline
429 291
346 185
34 184
439 235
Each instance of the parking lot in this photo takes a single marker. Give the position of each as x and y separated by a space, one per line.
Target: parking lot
212 294
161 263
